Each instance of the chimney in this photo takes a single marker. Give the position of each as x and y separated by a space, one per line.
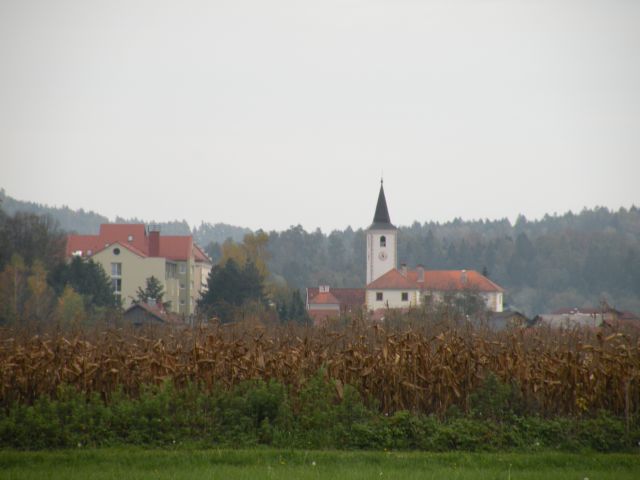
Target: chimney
420 269
154 240
463 277
403 269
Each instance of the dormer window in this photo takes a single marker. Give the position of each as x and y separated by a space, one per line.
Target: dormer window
383 241
130 238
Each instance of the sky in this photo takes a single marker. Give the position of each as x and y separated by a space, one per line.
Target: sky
267 114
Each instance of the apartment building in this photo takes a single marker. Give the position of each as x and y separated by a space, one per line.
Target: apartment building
131 253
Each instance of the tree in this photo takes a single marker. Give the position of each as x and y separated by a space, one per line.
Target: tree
153 291
25 297
39 303
13 290
31 236
70 312
214 251
229 288
290 306
86 278
253 249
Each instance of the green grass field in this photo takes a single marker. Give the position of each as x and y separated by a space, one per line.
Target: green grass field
138 463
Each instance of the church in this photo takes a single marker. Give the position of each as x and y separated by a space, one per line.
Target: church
388 286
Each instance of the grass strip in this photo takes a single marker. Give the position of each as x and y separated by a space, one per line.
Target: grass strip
252 464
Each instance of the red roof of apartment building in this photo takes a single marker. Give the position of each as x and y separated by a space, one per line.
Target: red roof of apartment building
136 238
435 280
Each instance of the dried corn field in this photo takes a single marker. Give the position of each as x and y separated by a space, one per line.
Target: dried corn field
557 373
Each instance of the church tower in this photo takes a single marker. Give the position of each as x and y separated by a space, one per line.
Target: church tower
382 245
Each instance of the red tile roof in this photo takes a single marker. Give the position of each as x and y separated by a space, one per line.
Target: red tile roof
393 279
121 232
200 254
173 247
436 280
347 297
324 298
123 245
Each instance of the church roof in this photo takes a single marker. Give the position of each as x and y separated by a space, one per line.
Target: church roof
381 220
393 279
435 280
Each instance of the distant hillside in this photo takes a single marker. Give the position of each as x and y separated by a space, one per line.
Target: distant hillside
83 222
78 221
559 261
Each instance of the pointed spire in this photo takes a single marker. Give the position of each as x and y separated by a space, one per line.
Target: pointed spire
381 220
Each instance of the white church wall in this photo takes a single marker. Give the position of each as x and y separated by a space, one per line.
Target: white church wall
391 299
381 259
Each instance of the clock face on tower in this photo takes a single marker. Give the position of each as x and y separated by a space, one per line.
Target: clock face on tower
382 255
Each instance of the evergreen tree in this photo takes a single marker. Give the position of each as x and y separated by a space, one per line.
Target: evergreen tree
153 291
229 288
88 279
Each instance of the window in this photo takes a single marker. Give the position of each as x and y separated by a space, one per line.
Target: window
182 287
116 270
378 296
116 279
183 268
383 241
171 270
405 296
130 238
116 251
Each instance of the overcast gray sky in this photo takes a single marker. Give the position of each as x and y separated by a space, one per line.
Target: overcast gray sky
268 114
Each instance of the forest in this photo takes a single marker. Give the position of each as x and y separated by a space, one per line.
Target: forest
560 260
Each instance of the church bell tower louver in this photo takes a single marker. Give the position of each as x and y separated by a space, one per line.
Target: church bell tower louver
382 244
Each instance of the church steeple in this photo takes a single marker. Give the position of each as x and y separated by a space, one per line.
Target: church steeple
382 241
381 220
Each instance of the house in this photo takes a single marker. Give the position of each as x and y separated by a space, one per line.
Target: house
569 320
131 253
389 287
147 314
324 302
605 316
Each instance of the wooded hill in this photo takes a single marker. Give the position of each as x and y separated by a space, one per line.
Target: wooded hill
569 260
88 222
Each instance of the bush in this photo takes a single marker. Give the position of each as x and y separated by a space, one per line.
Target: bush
321 415
496 400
